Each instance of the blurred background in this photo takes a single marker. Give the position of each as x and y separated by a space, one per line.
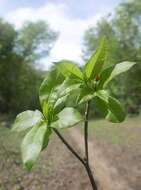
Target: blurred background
33 34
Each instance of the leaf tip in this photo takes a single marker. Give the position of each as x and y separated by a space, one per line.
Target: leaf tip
28 165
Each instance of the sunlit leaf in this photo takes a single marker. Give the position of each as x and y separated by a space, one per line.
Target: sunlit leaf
59 94
68 68
68 117
32 145
53 79
118 69
96 62
26 120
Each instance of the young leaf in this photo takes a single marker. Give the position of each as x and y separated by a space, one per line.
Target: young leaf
32 145
68 117
96 62
68 68
53 79
60 103
118 69
68 86
60 94
26 120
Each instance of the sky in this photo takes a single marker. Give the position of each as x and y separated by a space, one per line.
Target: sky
70 17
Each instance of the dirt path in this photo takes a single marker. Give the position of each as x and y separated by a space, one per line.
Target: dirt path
107 176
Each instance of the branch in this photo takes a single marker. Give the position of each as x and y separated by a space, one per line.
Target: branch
69 146
86 131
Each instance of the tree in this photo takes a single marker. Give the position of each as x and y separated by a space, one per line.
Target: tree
35 40
19 50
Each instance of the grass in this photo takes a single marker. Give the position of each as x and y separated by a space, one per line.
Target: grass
125 134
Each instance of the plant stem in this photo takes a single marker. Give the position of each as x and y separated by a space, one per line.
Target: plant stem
84 161
87 166
69 146
86 132
91 177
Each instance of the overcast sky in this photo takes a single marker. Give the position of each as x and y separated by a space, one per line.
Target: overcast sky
70 17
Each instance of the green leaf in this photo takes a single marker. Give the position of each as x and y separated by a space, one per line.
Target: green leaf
61 93
45 109
68 117
85 95
68 86
118 69
102 105
54 93
26 120
111 117
96 62
60 103
102 94
68 68
32 145
110 107
116 113
104 76
53 79
47 137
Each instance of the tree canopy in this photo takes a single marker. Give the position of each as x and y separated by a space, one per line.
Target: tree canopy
19 51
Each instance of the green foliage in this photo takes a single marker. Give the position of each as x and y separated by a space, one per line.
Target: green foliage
35 40
68 68
116 113
53 95
26 120
108 74
85 95
32 144
96 62
110 107
47 86
68 117
122 31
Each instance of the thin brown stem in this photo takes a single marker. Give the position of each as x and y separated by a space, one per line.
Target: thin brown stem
86 131
69 146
